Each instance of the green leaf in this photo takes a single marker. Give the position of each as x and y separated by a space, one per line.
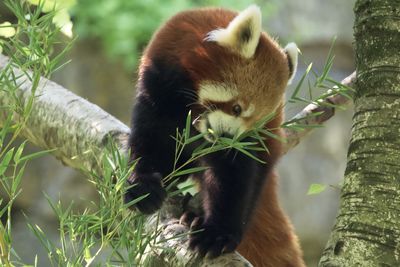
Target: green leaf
188 124
136 200
17 180
316 189
36 155
6 161
250 155
18 154
300 83
190 171
5 129
40 235
88 256
195 138
188 186
328 64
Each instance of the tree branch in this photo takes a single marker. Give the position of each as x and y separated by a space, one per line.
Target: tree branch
76 129
65 122
316 114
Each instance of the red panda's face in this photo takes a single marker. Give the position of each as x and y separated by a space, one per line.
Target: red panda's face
248 79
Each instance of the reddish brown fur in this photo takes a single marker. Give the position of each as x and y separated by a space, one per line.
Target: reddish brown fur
270 240
200 58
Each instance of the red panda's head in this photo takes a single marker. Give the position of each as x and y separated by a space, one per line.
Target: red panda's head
251 74
239 72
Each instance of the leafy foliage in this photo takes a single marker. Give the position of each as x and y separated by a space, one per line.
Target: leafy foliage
125 26
61 17
29 44
105 232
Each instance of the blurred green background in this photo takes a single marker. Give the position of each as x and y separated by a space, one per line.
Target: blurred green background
109 37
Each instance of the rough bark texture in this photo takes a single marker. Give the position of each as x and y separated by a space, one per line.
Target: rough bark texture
61 120
79 130
367 229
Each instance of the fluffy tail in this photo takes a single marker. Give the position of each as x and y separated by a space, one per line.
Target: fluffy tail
270 240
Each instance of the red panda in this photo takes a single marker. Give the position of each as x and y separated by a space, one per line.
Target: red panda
219 65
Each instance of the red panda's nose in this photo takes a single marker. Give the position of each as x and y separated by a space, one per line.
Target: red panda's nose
226 135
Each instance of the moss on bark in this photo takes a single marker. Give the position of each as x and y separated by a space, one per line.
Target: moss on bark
367 229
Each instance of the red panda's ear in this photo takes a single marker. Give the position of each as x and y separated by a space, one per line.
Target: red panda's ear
291 51
242 34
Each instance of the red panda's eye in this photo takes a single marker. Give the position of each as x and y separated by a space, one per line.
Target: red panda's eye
237 110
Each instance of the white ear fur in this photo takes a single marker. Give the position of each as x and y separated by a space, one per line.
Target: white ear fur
242 34
292 51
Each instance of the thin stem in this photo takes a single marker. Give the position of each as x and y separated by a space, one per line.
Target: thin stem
4 250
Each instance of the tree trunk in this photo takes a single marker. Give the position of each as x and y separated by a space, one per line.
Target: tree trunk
367 229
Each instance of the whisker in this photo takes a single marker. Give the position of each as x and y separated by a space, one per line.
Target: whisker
194 97
207 108
235 155
190 97
189 93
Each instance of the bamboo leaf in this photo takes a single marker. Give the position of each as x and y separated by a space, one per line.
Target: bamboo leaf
316 189
136 200
36 155
6 161
18 153
300 83
187 187
17 180
250 155
328 64
195 138
188 125
190 171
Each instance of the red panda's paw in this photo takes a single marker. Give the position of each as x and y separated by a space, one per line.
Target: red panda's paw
187 218
211 240
144 184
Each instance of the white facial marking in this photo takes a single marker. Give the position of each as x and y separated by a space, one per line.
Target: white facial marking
216 92
292 52
249 20
221 122
249 111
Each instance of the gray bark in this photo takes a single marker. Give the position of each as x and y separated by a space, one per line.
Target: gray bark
61 120
79 130
367 229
